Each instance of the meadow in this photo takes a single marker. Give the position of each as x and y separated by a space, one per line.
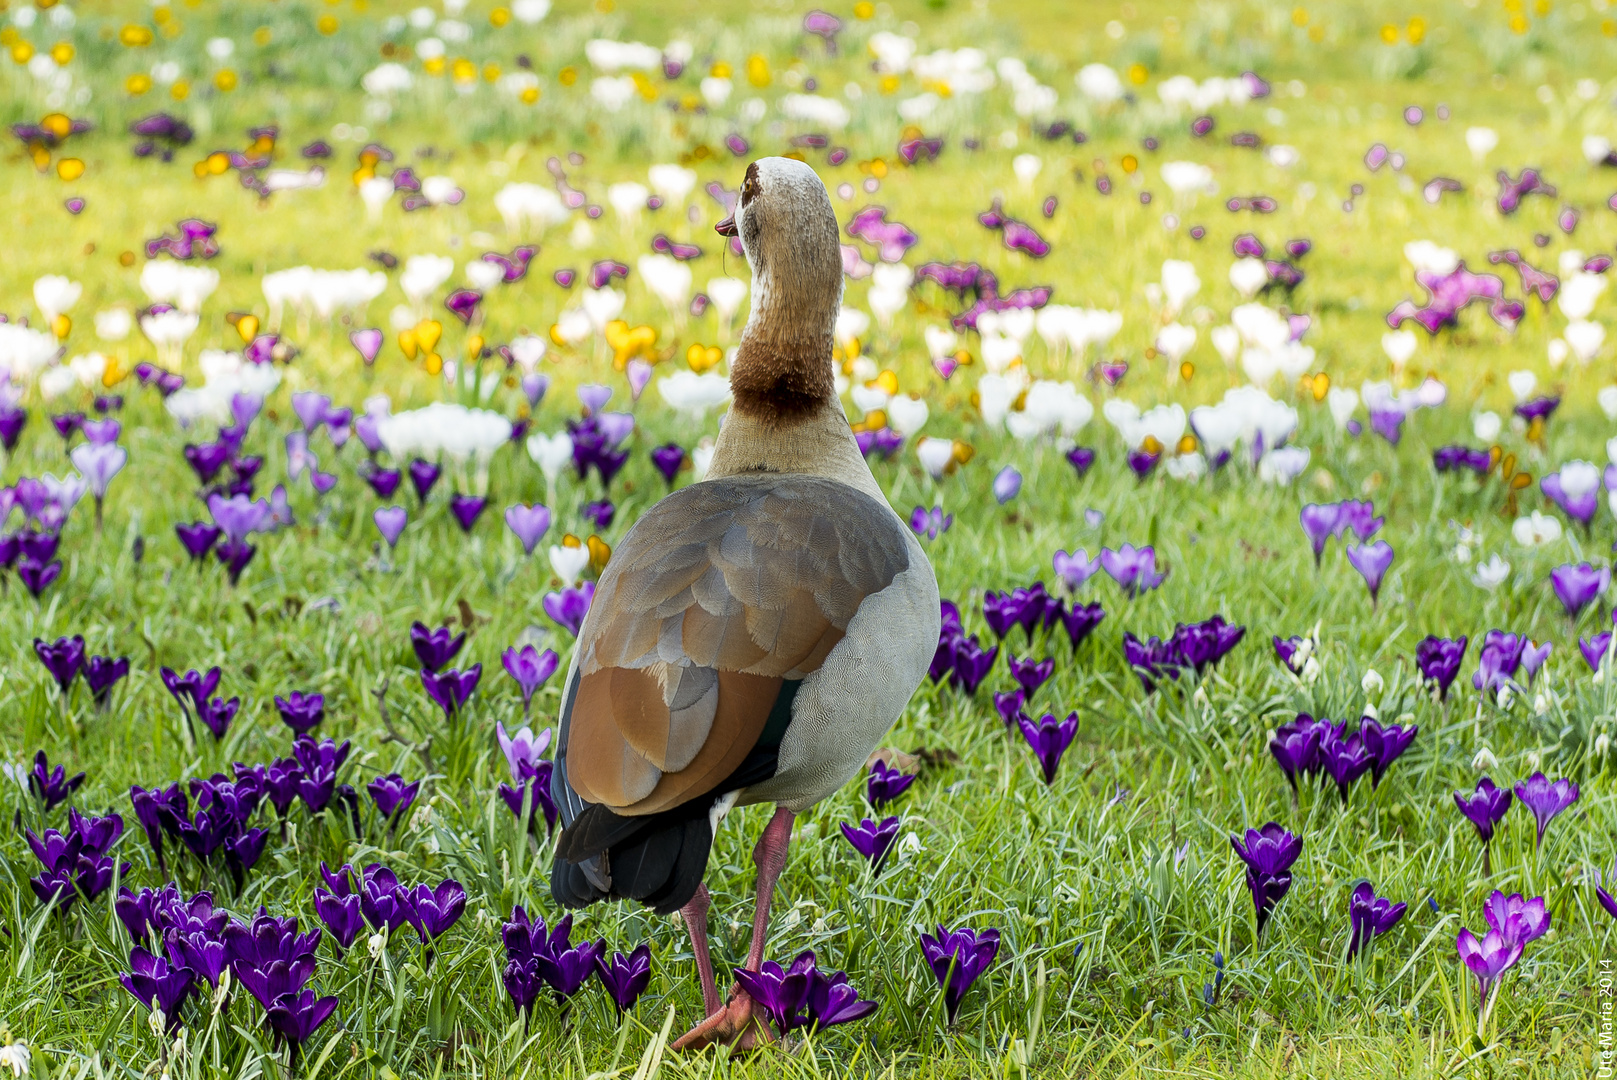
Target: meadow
1306 299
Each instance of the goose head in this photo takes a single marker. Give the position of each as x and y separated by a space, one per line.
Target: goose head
789 233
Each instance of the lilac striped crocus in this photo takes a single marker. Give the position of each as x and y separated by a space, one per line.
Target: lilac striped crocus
1577 585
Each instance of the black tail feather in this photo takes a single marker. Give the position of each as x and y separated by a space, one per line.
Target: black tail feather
660 865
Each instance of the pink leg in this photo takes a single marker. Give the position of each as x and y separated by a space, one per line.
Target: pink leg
770 858
737 1024
695 916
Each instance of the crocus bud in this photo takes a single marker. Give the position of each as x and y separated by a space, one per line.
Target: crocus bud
376 944
1372 684
1311 671
1485 761
1370 712
1602 744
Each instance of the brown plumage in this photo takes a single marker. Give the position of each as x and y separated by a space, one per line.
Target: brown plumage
720 593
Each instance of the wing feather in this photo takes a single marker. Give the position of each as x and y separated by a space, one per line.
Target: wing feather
719 593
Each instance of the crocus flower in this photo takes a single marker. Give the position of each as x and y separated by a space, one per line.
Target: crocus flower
872 840
1074 569
340 915
1344 759
1533 657
1605 898
1485 808
1320 522
1049 739
1371 561
1595 648
48 786
1488 958
957 958
63 658
1009 706
1030 674
1515 918
450 689
930 524
301 712
522 751
390 522
101 674
1135 569
392 795
1007 483
433 911
157 985
1295 747
1499 660
885 784
1385 744
1268 854
1081 621
1545 799
569 606
971 663
1439 661
198 538
528 523
423 475
625 977
1577 585
1370 916
435 648
466 509
530 668
295 1017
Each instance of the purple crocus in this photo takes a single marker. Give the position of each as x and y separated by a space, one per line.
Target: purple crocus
1030 674
158 985
101 674
1485 808
1577 585
1371 561
530 668
1515 917
801 995
1074 569
872 840
295 1017
433 911
1370 916
198 538
339 914
569 606
390 522
971 663
885 784
1344 759
1605 898
957 958
1545 799
1320 522
392 795
1268 854
1295 747
1134 569
527 523
668 459
466 509
1049 739
63 658
301 712
451 689
625 977
51 787
1488 958
423 475
435 648
1438 660
930 524
1385 744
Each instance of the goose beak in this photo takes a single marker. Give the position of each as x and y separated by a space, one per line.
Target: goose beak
727 227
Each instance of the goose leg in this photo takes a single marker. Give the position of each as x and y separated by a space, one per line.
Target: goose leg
695 916
740 1023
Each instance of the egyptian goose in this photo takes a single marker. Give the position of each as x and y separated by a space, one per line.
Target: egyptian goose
755 634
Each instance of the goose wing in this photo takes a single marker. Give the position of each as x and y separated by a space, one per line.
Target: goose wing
722 592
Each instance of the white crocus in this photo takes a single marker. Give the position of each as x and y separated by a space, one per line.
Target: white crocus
1536 530
55 295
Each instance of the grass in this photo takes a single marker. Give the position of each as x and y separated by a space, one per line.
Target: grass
1092 861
